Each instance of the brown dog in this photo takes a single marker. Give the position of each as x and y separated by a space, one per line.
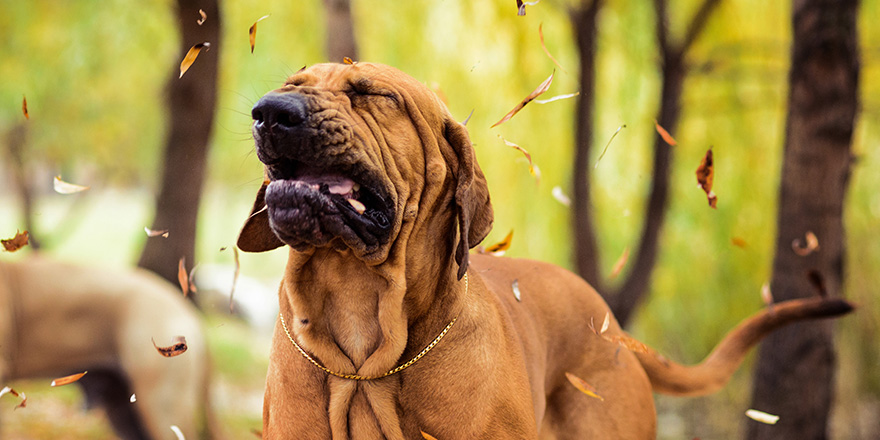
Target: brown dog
386 328
58 319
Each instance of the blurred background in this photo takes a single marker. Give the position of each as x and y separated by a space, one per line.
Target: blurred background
95 76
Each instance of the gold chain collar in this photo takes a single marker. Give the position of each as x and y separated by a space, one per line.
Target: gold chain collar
389 373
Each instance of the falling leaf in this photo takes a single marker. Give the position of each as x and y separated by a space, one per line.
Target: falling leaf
618 266
257 433
606 323
252 32
427 436
818 281
583 386
62 187
201 21
21 396
349 61
516 293
560 196
502 245
556 98
468 118
177 347
535 93
541 34
629 343
178 432
183 276
156 233
739 242
67 379
766 294
705 176
223 249
761 416
811 246
608 144
234 279
15 243
521 6
665 134
132 399
533 169
191 56
24 107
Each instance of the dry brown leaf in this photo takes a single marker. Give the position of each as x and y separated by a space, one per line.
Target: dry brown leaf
556 98
427 436
156 233
234 278
24 107
818 281
541 34
183 276
583 386
665 134
15 243
177 347
502 245
535 93
201 21
252 32
621 262
191 55
739 242
521 6
608 144
21 396
533 169
516 293
761 416
811 246
68 379
705 176
62 187
349 61
560 196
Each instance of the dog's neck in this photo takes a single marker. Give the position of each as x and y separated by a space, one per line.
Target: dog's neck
358 318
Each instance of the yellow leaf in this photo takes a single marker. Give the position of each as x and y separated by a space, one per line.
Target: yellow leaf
621 262
583 386
24 107
705 176
665 134
427 436
541 34
535 93
68 379
191 56
252 32
502 245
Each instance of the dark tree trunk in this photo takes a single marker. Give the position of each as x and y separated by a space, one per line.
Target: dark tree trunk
340 42
795 372
16 140
624 300
191 116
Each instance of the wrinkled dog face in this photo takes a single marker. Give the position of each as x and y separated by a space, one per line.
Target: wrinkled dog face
328 179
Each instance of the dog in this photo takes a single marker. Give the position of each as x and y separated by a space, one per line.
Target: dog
58 319
389 328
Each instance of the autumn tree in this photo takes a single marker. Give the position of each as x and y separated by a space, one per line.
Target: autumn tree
191 102
794 377
673 70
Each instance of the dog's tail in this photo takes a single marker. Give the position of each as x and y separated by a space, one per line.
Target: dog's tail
712 373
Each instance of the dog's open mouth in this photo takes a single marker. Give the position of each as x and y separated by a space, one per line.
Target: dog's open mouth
309 205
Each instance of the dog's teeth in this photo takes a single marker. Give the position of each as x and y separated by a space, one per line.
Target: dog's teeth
358 206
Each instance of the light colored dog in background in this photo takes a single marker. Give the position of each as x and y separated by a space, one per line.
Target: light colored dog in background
58 319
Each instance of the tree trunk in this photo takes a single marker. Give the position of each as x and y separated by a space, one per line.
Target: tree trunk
340 40
795 372
191 116
623 301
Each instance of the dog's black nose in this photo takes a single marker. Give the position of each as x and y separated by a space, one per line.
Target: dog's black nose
284 111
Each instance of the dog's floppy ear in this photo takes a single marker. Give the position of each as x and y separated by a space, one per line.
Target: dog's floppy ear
256 235
471 195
